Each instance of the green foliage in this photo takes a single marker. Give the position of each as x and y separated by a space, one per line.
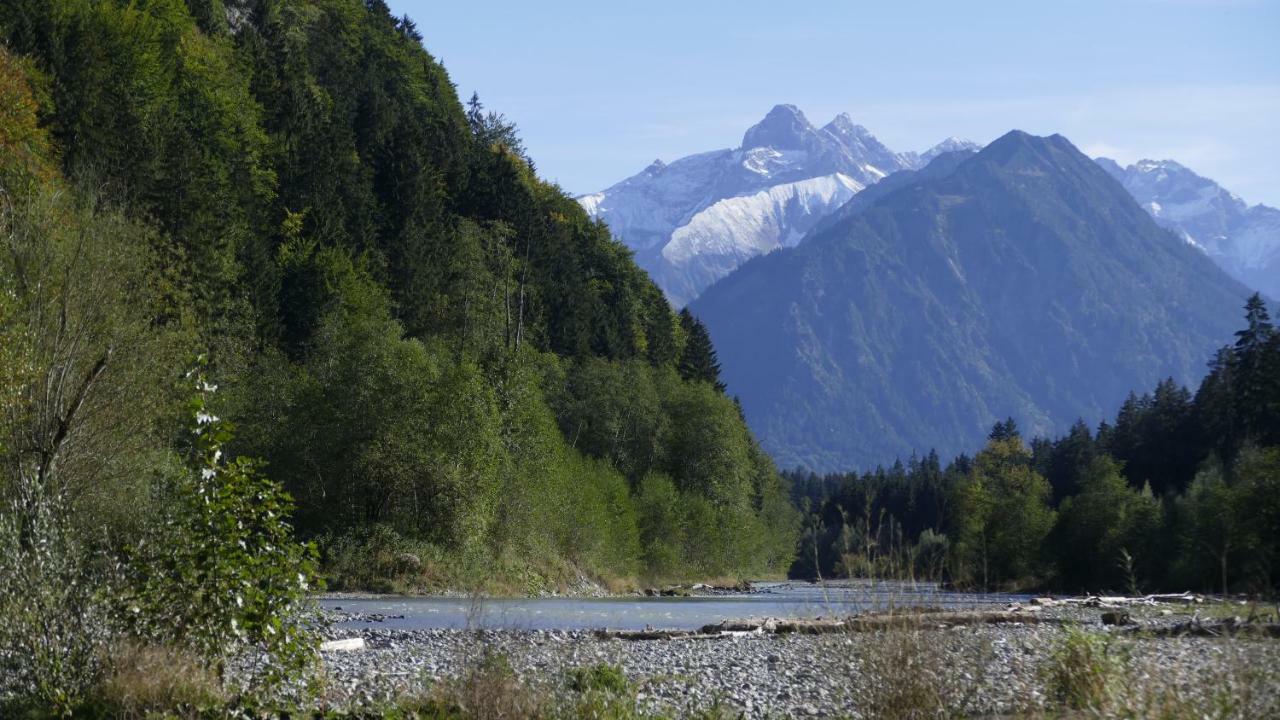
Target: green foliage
661 523
1100 529
698 362
223 571
1002 514
162 114
1213 532
377 558
1259 491
598 678
57 620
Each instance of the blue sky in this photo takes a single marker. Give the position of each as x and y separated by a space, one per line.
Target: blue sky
601 89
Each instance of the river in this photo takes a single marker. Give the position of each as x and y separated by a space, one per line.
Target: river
780 600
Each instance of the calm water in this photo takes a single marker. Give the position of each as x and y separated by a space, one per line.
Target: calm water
783 600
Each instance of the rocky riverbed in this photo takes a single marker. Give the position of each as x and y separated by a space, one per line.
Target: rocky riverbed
977 669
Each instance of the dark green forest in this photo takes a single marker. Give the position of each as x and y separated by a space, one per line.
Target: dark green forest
1181 491
453 372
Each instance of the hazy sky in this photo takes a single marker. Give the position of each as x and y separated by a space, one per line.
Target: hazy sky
601 89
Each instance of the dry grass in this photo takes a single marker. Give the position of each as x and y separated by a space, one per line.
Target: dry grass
150 680
620 585
911 673
1093 675
490 690
1086 671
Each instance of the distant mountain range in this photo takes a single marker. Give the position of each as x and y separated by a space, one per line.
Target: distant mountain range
692 222
1019 280
1243 239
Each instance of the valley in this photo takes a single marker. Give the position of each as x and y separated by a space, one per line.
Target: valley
326 393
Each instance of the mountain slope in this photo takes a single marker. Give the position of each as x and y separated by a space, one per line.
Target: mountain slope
1243 239
684 233
1023 282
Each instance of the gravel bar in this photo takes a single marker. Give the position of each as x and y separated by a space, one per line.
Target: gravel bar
983 670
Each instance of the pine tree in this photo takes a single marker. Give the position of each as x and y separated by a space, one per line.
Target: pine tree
1005 430
1252 340
1256 387
490 128
698 361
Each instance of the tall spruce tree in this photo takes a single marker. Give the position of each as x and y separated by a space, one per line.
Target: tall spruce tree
1257 387
698 361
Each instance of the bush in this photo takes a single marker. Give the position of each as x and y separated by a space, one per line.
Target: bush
490 690
223 572
378 559
56 625
598 678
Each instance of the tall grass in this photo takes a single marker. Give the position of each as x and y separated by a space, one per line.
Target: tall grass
911 672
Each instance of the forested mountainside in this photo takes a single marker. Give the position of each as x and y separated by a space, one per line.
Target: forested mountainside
1025 282
454 371
1179 490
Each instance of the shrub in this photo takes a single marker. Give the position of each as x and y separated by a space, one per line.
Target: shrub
223 572
55 624
598 678
490 690
379 559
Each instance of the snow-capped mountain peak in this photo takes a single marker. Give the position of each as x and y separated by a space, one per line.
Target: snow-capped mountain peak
695 219
784 128
951 144
1243 239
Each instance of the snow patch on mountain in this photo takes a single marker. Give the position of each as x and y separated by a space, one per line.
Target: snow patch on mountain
952 144
756 224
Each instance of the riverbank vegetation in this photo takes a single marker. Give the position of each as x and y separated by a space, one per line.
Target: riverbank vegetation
1181 491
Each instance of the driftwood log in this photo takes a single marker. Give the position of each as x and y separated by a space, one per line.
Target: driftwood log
1114 601
1231 627
824 626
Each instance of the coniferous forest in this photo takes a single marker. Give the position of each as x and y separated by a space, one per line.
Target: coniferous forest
1181 491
